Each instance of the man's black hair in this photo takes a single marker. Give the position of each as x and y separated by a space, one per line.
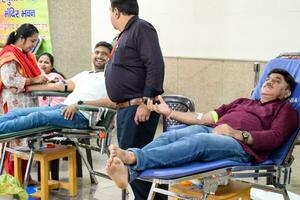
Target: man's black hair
287 77
104 44
127 7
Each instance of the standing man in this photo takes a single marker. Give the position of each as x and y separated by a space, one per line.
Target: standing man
134 74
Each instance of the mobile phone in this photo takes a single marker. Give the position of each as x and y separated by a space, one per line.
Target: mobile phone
154 101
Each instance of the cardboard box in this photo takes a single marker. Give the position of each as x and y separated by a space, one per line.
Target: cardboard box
235 190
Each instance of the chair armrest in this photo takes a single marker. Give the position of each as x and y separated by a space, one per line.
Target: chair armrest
49 93
100 116
89 108
177 103
96 109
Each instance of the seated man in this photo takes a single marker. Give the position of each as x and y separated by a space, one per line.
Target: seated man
87 88
244 130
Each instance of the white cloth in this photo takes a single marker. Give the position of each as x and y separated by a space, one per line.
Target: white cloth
88 86
257 194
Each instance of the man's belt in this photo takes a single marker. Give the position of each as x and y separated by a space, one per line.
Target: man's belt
131 102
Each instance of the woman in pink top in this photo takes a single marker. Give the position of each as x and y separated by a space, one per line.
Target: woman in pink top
46 63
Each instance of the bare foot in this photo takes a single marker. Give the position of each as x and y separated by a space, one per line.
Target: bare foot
127 157
117 171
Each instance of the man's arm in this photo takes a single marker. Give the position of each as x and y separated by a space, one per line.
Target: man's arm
59 86
103 102
148 48
183 117
150 53
192 117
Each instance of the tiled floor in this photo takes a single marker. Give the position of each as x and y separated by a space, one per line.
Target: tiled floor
105 190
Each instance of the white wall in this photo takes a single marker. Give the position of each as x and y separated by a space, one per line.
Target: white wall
101 26
233 29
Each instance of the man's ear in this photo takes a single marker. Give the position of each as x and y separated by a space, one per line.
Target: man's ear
117 13
288 93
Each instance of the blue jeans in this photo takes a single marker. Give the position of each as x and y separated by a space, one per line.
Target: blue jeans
26 118
181 146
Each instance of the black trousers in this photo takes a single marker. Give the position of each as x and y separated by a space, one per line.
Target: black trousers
132 135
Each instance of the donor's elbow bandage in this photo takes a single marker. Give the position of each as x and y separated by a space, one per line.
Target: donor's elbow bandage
199 116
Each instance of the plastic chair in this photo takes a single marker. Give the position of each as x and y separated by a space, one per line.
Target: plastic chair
177 103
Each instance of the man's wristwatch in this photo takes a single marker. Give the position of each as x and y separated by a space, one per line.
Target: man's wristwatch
245 135
79 102
65 85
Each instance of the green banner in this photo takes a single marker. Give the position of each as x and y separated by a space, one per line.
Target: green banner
13 13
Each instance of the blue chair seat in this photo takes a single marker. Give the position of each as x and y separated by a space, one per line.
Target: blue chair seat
189 169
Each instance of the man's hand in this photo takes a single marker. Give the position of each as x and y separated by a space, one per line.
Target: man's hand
225 129
69 111
161 108
142 114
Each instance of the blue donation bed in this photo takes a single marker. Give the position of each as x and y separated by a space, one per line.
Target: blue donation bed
276 170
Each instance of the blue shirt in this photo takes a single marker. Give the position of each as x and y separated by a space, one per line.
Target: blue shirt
136 68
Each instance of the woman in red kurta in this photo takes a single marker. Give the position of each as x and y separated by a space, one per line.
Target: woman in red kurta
18 68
